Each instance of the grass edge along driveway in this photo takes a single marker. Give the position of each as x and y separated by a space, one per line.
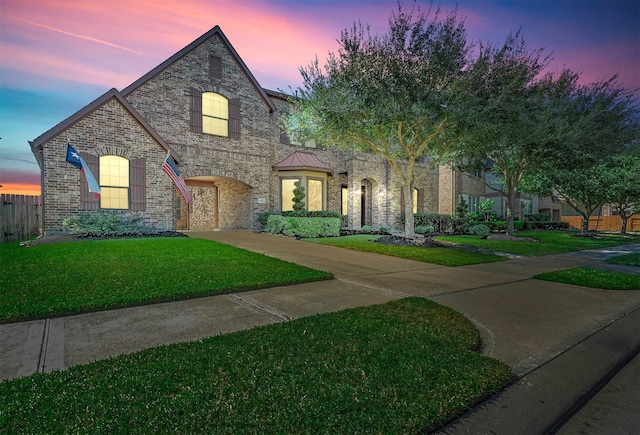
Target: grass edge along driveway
443 256
73 277
406 366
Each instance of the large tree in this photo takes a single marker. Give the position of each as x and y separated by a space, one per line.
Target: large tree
596 127
505 100
624 186
388 94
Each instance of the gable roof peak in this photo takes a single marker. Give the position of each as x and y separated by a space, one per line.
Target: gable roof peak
186 50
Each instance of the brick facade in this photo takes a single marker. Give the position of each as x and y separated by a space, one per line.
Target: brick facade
231 180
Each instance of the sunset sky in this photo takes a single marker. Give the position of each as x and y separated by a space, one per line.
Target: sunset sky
56 56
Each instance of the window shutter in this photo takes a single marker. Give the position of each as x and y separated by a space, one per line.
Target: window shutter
420 200
234 118
89 200
195 110
138 184
284 137
215 67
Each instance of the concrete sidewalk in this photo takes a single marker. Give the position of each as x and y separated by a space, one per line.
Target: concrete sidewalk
562 341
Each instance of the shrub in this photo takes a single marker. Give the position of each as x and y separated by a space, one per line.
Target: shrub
318 213
479 230
423 229
275 224
383 229
303 227
298 196
101 224
264 217
366 229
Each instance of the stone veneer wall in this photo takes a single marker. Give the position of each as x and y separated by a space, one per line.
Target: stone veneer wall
109 130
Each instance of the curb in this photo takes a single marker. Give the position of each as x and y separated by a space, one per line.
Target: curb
543 400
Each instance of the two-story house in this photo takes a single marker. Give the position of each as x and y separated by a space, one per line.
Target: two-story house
205 108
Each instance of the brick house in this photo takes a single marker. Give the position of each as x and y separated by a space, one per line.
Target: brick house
205 107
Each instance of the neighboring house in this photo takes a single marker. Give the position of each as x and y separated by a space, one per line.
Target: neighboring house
525 204
205 107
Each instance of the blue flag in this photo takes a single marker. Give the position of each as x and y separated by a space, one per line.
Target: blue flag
74 158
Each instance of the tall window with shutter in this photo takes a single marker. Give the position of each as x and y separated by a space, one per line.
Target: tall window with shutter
212 113
123 183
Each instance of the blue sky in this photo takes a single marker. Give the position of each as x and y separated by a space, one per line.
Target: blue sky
56 56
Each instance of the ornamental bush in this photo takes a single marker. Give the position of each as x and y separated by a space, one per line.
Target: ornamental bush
303 227
423 229
479 230
102 224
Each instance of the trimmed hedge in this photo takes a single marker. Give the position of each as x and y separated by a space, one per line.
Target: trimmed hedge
303 227
264 217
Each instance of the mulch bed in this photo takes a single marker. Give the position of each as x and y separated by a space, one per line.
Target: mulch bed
422 242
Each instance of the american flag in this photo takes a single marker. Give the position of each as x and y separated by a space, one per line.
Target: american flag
171 169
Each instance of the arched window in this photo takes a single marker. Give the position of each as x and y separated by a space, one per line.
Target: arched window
215 114
114 182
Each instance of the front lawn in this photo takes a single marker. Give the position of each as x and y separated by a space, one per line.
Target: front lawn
62 278
442 256
552 242
595 278
407 366
626 260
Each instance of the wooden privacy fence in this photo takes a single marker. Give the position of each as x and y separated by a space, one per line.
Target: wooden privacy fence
20 217
604 223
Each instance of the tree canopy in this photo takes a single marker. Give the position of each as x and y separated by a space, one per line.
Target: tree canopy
596 127
504 99
389 94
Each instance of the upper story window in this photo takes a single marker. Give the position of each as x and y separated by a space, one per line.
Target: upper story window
114 182
308 143
215 114
212 113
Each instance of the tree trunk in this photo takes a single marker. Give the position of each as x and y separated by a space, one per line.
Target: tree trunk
408 209
511 200
624 218
584 228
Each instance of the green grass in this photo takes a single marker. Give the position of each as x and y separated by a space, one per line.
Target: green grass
442 256
403 367
62 278
626 260
553 242
595 278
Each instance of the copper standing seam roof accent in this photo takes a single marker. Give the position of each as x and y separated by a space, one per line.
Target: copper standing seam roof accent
180 54
37 143
302 161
